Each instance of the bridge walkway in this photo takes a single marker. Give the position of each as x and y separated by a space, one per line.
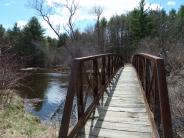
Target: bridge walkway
122 113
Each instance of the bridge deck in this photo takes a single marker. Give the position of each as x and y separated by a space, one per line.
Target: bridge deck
122 113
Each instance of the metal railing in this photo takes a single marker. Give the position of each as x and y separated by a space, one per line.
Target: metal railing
88 81
151 72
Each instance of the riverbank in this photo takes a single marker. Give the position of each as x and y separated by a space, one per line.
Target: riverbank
17 123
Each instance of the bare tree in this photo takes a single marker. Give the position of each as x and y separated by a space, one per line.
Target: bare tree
72 8
98 12
45 11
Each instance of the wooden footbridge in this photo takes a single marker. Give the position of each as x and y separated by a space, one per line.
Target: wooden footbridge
117 100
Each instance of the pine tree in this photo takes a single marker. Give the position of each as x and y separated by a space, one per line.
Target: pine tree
140 23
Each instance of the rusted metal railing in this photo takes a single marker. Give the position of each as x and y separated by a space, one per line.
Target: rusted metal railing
89 79
151 72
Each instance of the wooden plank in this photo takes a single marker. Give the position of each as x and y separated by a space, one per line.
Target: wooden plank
135 121
87 136
96 132
120 115
121 109
124 105
123 102
118 126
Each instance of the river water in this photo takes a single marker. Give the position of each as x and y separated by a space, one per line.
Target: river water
44 94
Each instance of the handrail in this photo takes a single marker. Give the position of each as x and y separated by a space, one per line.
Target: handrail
151 72
89 77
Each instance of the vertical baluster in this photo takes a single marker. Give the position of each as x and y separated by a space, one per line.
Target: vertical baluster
146 77
80 92
95 70
112 64
116 61
157 105
103 70
108 67
138 67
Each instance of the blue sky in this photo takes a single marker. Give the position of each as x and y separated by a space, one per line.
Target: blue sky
12 11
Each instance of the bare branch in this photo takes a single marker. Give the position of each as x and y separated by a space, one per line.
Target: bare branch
45 12
72 8
97 11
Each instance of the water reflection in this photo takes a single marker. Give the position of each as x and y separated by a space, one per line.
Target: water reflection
44 93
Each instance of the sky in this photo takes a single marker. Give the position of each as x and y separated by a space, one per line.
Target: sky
12 11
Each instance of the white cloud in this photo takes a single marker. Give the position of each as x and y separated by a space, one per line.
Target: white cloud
21 23
9 3
110 8
171 3
49 31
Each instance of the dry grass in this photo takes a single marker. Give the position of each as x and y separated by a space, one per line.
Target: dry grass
15 123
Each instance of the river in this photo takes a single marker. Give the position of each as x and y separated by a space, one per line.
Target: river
44 93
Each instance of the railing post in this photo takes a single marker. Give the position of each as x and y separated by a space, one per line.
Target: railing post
112 64
146 77
80 103
164 100
63 132
157 105
116 63
108 67
138 65
95 69
103 70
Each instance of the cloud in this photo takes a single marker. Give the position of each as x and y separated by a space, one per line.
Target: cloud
110 7
21 23
9 3
84 15
171 3
49 31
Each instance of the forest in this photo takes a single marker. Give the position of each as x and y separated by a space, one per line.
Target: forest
141 30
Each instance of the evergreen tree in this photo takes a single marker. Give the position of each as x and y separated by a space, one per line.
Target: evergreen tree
181 22
15 38
32 46
140 22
